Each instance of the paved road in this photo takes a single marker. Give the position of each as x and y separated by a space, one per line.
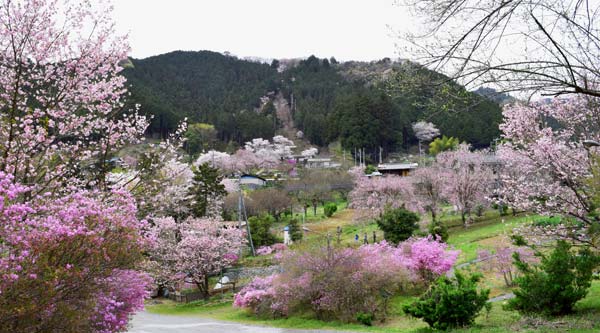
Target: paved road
145 322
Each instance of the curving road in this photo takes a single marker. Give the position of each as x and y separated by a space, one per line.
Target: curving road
144 322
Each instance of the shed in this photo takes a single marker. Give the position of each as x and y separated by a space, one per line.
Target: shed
399 169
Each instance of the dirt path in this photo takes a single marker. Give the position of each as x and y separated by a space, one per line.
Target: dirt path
284 114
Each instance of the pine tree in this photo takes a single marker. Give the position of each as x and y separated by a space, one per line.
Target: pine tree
207 188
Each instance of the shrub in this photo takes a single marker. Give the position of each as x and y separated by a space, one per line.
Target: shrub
369 169
260 227
426 258
329 209
333 283
341 283
554 286
398 224
365 318
296 232
264 250
439 230
450 302
257 296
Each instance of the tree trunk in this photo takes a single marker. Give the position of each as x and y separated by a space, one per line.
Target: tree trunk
203 287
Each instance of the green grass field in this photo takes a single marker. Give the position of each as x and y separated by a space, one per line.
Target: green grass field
486 232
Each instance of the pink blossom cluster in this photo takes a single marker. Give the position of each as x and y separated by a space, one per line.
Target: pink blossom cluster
255 294
427 257
547 166
337 283
61 93
122 294
275 248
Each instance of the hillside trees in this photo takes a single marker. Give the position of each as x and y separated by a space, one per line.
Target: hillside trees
205 87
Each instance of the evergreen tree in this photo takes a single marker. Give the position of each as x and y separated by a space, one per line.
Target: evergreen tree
207 189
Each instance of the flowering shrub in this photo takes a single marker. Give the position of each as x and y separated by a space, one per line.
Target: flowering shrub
266 250
122 295
427 257
258 295
339 283
76 241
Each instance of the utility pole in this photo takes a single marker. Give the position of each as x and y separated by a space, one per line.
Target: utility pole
380 155
242 208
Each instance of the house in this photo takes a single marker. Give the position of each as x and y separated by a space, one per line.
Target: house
252 182
399 169
321 163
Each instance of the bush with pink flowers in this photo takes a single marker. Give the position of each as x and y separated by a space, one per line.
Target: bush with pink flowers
339 283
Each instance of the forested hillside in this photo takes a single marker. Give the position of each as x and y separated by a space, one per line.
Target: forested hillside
361 104
204 87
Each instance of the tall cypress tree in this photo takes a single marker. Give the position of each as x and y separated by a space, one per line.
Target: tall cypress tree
207 187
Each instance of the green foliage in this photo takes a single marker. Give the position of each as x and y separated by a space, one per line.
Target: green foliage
206 87
206 188
329 209
296 232
450 302
398 224
554 286
199 137
370 169
438 229
365 318
503 209
548 221
455 111
443 144
260 227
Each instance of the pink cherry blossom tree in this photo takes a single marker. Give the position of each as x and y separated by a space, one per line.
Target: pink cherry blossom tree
428 185
469 181
194 249
61 94
548 168
371 195
69 245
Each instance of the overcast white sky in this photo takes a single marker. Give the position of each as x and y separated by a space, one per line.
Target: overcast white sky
346 29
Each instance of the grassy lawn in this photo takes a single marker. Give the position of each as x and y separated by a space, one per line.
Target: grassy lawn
487 232
478 236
